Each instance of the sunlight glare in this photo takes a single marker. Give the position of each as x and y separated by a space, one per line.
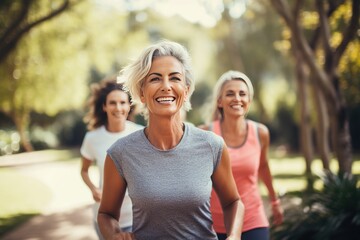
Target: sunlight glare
237 9
203 12
206 13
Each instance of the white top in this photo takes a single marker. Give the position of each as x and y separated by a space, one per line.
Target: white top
94 147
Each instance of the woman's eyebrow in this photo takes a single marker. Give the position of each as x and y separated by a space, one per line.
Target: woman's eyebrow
229 91
159 74
174 73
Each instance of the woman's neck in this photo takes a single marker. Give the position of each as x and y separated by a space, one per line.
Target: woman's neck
115 127
234 131
234 125
164 133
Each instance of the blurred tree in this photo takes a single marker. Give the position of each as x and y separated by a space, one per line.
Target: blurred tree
350 72
17 18
38 77
198 99
245 44
306 140
315 48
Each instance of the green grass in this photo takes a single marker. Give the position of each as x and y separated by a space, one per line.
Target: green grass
21 198
288 173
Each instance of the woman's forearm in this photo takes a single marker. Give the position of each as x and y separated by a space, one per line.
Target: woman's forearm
233 219
86 178
108 225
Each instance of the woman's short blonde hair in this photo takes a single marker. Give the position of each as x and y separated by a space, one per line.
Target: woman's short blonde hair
216 113
134 74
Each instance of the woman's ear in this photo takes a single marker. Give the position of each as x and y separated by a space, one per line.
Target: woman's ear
219 103
187 89
142 97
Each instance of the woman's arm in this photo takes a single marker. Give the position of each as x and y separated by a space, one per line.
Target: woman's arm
265 174
225 187
85 165
113 195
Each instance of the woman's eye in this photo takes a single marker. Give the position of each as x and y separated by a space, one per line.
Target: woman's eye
176 79
154 79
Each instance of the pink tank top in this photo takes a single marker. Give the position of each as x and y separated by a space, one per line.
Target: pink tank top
245 161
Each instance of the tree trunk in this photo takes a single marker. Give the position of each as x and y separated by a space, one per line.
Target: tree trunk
343 143
325 74
22 123
340 129
305 119
262 111
322 127
20 25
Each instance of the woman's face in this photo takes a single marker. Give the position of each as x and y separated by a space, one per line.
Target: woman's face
117 106
164 89
234 98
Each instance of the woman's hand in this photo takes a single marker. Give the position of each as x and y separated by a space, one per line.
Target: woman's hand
233 238
277 212
113 193
123 236
97 193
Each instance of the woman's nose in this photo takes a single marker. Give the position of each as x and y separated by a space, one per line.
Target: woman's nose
237 97
166 86
118 106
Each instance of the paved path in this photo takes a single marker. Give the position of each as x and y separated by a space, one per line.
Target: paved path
69 214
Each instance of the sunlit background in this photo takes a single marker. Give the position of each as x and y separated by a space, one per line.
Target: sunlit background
45 78
311 109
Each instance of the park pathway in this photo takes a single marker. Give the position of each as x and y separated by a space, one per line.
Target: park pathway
68 215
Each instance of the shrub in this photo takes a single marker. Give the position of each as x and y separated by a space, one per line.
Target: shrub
330 214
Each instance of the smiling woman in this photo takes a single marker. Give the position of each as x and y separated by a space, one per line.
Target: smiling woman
107 121
135 74
165 87
248 143
169 188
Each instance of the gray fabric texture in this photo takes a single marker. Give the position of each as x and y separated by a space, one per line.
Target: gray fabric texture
170 189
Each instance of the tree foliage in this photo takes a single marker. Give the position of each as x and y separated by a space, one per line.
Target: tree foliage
49 69
320 35
25 15
35 76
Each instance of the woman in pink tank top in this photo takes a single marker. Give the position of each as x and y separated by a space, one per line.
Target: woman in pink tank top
248 144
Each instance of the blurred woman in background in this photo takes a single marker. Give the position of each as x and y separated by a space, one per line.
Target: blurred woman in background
248 145
109 108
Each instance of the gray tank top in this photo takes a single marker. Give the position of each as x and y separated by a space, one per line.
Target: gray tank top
170 189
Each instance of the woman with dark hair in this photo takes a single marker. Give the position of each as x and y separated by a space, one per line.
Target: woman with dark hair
109 108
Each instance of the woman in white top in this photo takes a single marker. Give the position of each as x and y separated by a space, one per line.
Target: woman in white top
107 121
